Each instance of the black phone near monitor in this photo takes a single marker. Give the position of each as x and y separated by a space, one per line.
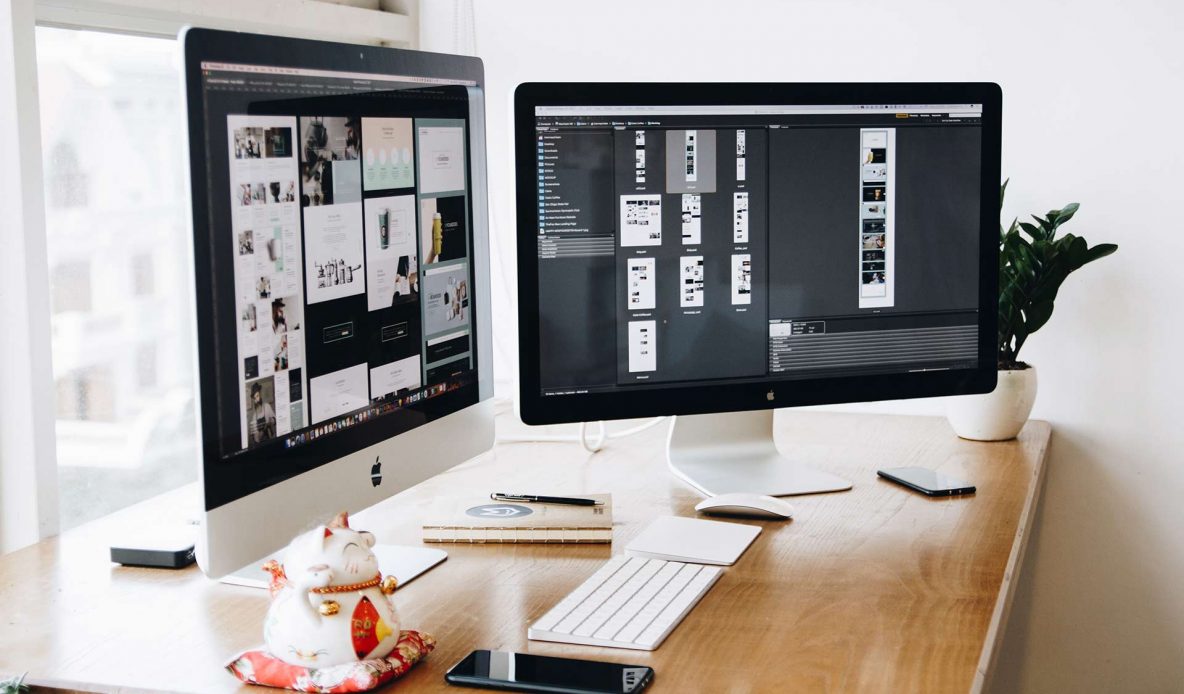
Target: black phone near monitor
928 482
521 672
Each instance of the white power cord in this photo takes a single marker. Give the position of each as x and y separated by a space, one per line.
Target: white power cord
464 12
599 442
592 448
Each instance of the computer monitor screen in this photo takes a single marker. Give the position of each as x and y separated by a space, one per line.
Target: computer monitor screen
335 253
684 256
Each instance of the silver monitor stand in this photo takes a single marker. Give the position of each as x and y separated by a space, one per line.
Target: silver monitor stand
734 452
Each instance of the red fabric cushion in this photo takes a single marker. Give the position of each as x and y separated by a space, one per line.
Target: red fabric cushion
260 667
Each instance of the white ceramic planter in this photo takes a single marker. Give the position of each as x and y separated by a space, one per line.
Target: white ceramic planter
998 415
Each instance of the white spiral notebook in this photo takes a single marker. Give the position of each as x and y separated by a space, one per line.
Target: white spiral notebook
479 520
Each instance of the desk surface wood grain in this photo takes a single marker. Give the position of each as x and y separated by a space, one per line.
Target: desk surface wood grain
875 589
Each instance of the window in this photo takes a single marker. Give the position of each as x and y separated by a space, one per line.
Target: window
85 395
146 366
65 184
113 128
142 275
108 360
70 282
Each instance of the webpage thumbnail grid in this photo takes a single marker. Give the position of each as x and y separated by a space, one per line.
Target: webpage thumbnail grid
350 216
755 243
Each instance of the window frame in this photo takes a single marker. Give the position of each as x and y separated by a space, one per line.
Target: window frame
28 449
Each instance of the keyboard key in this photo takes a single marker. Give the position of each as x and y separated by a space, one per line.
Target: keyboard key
602 593
669 617
574 598
609 607
636 601
674 613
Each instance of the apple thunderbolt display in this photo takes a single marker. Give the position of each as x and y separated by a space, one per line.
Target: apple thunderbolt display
719 250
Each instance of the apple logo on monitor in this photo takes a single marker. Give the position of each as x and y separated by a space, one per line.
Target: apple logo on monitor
376 472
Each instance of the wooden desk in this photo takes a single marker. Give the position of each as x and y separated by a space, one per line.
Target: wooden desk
876 589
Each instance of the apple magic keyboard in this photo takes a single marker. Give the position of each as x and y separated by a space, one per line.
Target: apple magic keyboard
629 602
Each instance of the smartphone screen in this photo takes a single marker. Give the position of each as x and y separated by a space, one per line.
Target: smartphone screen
523 672
927 481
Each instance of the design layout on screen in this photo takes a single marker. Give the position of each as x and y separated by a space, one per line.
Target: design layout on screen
442 158
691 287
335 212
742 278
642 346
877 223
641 220
269 296
393 262
388 162
691 219
641 284
806 242
446 305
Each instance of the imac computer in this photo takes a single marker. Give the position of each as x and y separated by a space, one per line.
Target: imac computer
714 251
340 257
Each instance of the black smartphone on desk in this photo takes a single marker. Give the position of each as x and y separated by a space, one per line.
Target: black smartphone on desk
522 672
928 482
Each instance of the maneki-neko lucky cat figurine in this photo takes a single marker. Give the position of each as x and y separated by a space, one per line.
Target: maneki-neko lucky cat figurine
330 604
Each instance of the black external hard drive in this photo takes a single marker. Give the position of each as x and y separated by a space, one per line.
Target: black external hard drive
166 548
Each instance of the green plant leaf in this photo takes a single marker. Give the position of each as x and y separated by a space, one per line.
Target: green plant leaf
1077 250
1033 265
1100 251
1035 232
1021 335
1066 213
1036 315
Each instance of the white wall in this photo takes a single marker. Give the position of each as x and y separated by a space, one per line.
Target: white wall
1092 112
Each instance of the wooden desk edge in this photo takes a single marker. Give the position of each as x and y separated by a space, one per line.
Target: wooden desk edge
1035 439
1041 430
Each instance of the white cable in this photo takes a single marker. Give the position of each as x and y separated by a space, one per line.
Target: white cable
637 429
469 12
600 439
603 437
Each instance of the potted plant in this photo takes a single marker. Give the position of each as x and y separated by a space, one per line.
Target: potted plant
1033 263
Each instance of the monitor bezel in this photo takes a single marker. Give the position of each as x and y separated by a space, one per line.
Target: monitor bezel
224 486
664 399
